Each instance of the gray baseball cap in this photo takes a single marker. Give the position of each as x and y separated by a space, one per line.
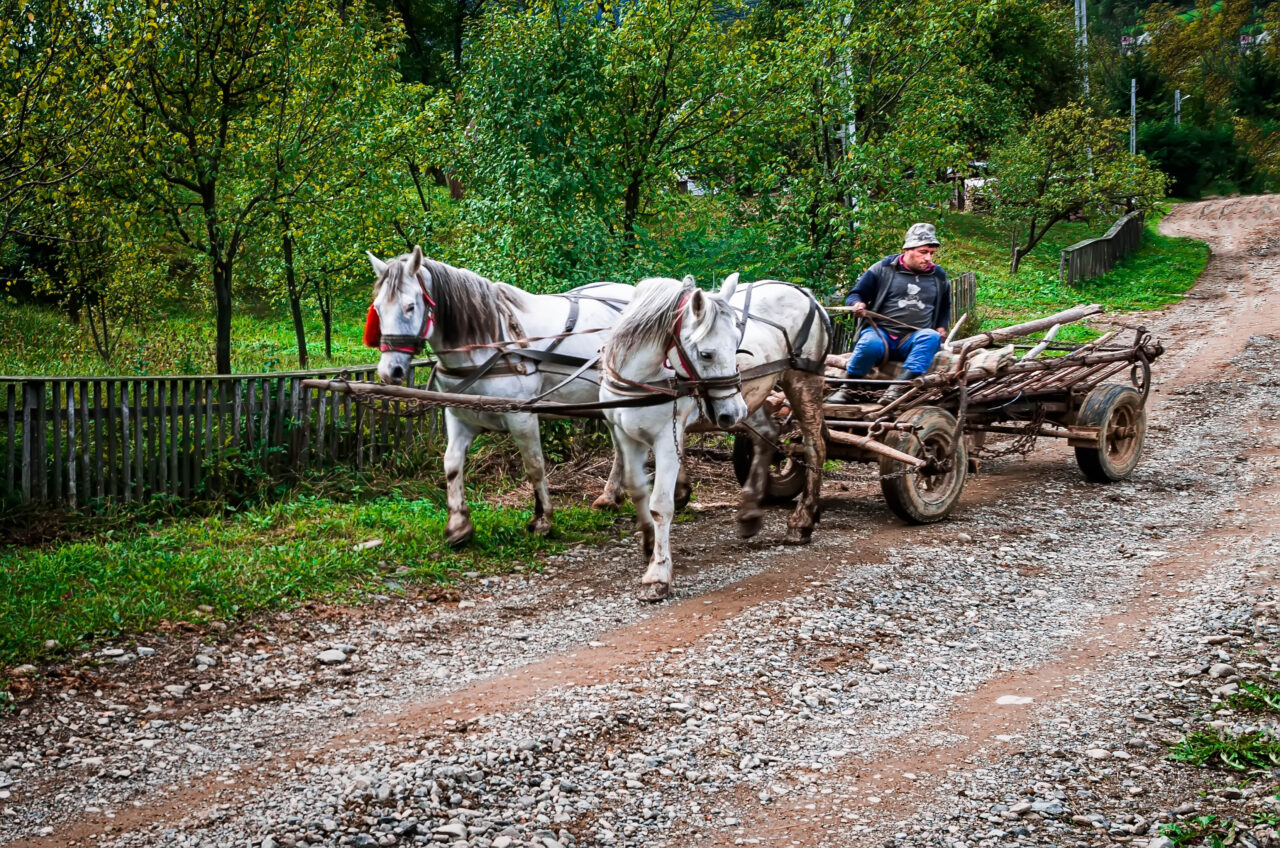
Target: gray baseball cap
921 234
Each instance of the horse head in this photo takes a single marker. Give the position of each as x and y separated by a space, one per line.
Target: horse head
704 348
401 316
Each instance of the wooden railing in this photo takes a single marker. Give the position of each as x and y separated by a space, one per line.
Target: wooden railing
1096 256
74 440
964 296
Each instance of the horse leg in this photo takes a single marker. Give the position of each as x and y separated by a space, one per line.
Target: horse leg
656 584
524 430
459 530
630 455
684 489
615 488
804 391
750 514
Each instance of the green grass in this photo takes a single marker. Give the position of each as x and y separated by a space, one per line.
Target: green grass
40 340
1157 274
131 578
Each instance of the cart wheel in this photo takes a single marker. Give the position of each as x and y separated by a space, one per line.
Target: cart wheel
786 476
930 494
1117 411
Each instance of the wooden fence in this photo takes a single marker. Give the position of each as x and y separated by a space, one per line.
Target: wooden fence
1093 257
964 296
74 440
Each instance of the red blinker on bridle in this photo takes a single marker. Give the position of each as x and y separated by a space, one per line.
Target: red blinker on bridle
411 345
675 333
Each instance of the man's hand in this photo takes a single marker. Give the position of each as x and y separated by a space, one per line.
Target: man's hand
859 307
942 331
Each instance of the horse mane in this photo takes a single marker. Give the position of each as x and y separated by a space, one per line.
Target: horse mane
469 309
648 318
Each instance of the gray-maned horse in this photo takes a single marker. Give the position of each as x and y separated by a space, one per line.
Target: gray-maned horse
671 332
462 314
784 336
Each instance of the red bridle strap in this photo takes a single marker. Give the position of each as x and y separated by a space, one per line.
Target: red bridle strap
373 328
689 373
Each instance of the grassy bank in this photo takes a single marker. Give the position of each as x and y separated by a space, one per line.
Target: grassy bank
1157 274
270 557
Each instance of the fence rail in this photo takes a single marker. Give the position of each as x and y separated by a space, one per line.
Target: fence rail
74 440
1096 256
964 296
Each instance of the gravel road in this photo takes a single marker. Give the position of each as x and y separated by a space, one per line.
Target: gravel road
1013 676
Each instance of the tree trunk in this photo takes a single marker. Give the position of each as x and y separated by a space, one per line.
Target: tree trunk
630 211
295 297
222 300
325 300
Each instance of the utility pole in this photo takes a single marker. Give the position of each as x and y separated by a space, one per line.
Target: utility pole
1177 107
1133 116
1082 41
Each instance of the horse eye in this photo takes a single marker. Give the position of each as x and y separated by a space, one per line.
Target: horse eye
706 355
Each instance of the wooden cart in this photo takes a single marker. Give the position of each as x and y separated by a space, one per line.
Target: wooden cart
929 439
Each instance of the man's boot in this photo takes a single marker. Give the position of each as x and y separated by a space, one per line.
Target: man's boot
898 390
848 395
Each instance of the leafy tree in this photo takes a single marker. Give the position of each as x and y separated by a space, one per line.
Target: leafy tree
54 96
216 142
1069 162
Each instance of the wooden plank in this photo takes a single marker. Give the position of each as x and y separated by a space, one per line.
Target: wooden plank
153 474
139 487
41 421
237 410
187 454
209 415
11 446
108 423
126 461
175 437
28 443
86 478
264 426
251 388
56 490
99 471
282 398
308 403
73 495
162 437
295 420
320 427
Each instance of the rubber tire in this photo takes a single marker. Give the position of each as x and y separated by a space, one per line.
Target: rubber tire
1107 406
784 484
905 495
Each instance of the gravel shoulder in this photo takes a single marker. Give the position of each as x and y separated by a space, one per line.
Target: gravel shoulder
1012 676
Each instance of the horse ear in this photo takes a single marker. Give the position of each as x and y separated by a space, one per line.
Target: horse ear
697 303
689 280
730 284
415 261
379 267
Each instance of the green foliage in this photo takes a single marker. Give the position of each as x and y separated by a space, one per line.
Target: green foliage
1246 752
1194 158
1256 697
1155 275
1070 162
1207 830
271 557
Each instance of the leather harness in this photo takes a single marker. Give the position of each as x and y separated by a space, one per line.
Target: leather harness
500 362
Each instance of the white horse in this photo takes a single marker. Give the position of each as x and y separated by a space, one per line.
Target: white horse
784 335
674 340
462 315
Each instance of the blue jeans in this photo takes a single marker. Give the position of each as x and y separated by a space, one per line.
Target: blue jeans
914 350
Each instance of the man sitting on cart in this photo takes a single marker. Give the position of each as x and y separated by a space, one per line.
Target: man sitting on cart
909 299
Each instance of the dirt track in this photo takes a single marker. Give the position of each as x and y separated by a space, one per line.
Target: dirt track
887 685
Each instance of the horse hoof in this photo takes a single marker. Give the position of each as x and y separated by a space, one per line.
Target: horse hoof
684 494
749 526
651 593
797 536
458 538
606 501
539 527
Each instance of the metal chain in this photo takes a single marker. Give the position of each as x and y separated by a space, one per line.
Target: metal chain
1023 443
